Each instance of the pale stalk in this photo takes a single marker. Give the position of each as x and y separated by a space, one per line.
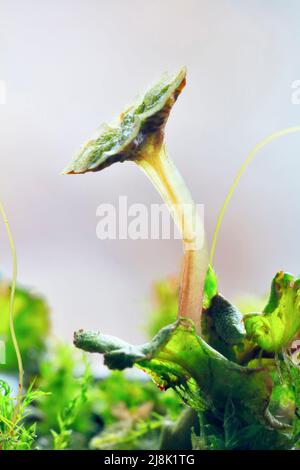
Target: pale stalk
167 180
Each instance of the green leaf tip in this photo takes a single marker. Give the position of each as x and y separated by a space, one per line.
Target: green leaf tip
278 326
210 287
138 126
227 320
117 353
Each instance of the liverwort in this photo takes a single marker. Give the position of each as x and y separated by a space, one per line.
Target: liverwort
221 367
138 136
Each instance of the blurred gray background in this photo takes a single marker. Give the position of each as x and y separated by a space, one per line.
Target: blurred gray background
70 65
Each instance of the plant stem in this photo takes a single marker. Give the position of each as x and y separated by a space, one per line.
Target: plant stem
166 179
11 311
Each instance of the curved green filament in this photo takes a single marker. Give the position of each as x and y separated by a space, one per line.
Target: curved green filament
265 141
11 310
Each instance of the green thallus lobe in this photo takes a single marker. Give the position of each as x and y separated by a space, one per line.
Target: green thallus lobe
279 324
177 357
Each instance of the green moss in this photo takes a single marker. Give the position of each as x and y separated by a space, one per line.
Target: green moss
32 326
